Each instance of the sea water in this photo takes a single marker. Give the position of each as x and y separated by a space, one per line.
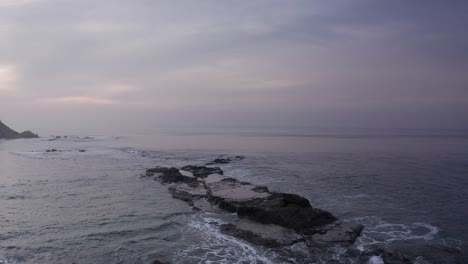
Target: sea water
70 206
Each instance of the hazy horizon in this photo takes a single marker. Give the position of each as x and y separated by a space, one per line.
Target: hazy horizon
94 67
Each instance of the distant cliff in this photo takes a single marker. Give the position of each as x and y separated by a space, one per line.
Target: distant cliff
8 133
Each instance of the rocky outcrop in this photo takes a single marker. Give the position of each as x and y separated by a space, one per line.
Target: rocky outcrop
171 175
8 133
337 232
266 218
249 201
225 160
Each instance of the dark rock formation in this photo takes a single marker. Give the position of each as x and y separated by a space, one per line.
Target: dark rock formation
250 201
202 171
170 175
271 236
52 150
266 218
8 133
337 232
225 160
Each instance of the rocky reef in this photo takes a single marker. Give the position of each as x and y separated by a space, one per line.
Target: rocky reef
285 219
8 133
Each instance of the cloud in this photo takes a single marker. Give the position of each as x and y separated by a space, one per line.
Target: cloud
264 55
77 100
15 3
8 77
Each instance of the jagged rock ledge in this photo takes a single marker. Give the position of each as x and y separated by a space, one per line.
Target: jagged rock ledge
266 218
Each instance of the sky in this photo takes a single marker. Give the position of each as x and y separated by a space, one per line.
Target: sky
89 66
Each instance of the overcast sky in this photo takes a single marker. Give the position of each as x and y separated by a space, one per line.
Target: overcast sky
93 66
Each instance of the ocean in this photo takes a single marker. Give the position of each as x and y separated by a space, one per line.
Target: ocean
70 206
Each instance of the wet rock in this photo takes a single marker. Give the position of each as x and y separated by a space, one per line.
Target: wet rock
261 189
256 203
202 171
335 233
274 210
213 178
232 191
204 205
188 193
221 161
225 160
169 175
264 235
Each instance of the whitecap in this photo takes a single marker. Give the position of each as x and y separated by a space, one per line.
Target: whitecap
29 154
375 260
8 260
361 195
217 247
377 231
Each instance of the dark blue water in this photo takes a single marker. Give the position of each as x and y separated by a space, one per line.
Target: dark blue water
92 207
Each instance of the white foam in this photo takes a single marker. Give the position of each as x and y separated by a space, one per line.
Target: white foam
7 260
357 196
217 247
79 138
375 260
29 154
377 231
